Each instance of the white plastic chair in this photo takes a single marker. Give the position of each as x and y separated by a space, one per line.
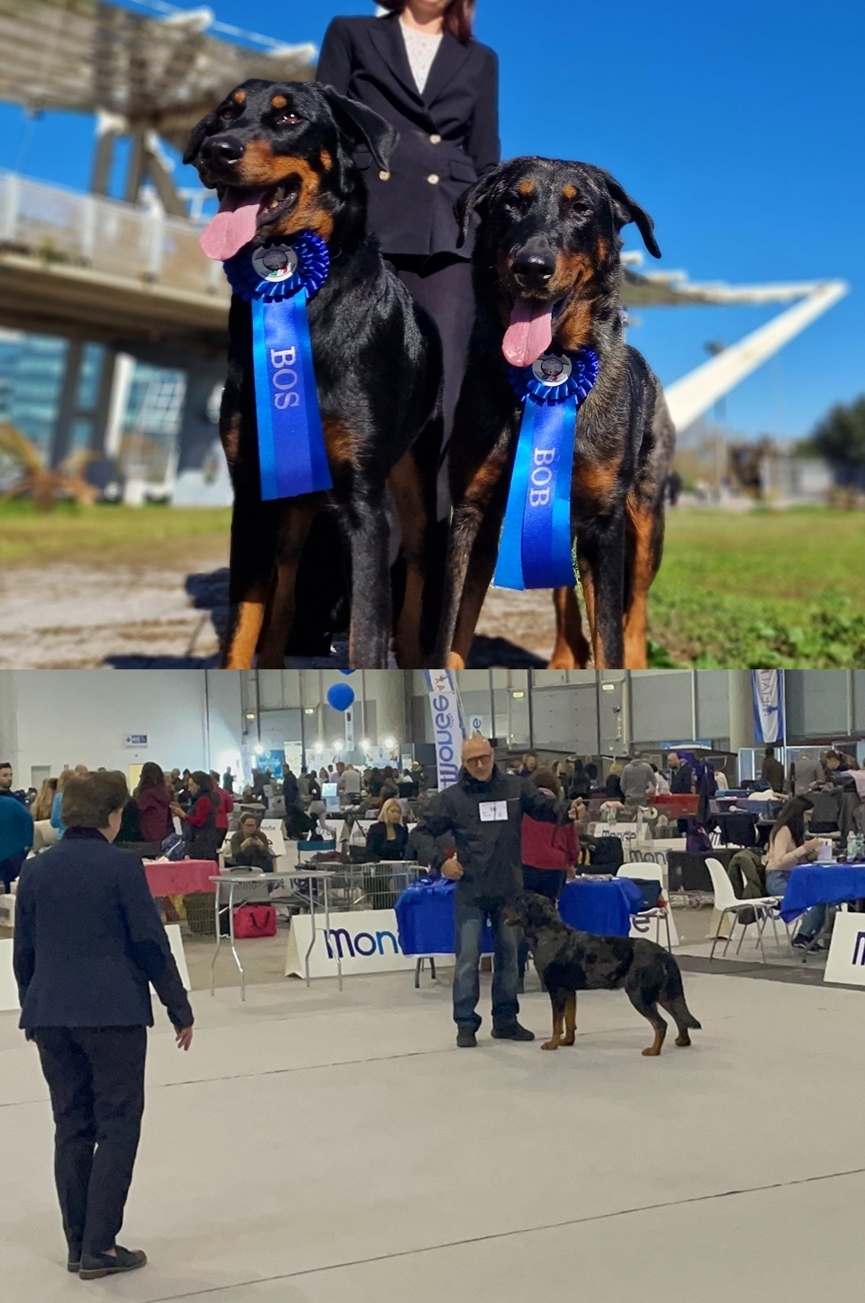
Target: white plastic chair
727 902
649 872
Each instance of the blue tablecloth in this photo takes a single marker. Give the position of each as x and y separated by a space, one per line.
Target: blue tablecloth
604 908
425 920
425 913
821 884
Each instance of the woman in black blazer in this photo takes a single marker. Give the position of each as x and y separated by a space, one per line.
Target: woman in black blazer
448 137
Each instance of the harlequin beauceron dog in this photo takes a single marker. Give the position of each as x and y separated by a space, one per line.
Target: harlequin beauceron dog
547 271
568 961
280 156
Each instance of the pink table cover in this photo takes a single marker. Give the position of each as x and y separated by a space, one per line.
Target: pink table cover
178 877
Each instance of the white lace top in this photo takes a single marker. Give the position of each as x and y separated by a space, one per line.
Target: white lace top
421 50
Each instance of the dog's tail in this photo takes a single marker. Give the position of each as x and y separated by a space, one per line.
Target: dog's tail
674 994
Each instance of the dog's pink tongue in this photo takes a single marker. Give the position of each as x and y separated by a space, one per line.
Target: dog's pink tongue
233 226
530 332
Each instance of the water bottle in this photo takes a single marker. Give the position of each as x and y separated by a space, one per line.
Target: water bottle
860 846
852 846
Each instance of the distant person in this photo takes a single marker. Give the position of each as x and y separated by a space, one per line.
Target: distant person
224 808
637 780
249 845
57 804
387 838
153 799
549 852
88 941
16 830
662 787
772 771
788 848
808 772
348 785
681 775
228 781
290 787
200 831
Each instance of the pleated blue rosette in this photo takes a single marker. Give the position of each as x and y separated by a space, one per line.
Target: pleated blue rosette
278 279
535 546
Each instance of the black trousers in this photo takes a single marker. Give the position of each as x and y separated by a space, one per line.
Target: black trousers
442 284
96 1079
10 868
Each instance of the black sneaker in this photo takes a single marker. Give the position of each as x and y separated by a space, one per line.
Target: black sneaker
73 1261
513 1032
802 942
466 1039
106 1264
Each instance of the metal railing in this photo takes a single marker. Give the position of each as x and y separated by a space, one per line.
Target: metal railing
59 226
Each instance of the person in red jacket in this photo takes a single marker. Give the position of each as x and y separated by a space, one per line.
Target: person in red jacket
549 853
153 799
226 805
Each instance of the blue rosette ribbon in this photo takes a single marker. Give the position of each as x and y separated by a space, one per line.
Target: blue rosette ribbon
278 279
535 546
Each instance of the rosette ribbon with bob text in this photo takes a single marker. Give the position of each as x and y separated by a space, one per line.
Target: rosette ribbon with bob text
535 546
277 279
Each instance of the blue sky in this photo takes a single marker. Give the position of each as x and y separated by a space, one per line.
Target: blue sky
738 126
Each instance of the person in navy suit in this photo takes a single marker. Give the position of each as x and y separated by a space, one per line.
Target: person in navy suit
420 67
88 940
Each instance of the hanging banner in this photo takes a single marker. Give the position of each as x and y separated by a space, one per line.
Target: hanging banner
768 689
448 727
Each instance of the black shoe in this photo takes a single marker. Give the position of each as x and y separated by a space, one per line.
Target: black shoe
104 1264
513 1032
466 1039
73 1261
802 942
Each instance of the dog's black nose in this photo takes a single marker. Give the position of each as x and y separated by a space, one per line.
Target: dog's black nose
222 149
534 266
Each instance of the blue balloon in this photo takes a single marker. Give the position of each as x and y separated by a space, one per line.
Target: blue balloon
340 696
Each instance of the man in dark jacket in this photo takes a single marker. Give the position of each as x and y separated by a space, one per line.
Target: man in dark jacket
681 775
772 771
483 813
88 940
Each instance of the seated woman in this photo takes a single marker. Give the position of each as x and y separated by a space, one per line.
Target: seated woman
789 848
387 839
250 847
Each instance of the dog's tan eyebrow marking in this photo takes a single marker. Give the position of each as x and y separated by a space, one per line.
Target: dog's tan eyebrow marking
526 187
239 97
326 160
569 191
278 102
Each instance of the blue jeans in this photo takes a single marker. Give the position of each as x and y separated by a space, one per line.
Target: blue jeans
813 919
470 920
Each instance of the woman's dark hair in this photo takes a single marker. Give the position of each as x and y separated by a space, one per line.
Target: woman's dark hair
89 800
204 783
458 17
792 816
151 776
546 778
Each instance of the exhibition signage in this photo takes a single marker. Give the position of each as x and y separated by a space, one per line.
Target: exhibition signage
768 691
846 959
135 742
365 940
448 728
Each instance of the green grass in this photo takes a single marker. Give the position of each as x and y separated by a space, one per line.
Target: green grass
72 533
766 589
763 589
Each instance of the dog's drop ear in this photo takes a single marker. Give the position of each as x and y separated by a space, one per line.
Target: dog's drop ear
472 200
626 209
197 135
363 126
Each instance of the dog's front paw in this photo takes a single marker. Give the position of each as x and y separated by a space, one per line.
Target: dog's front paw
551 1045
651 1052
568 1040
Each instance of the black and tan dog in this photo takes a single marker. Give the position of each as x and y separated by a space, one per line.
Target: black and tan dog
280 155
569 961
547 270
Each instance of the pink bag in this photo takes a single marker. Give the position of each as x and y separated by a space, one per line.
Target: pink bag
255 921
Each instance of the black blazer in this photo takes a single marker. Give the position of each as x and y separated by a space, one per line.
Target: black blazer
450 133
88 940
380 848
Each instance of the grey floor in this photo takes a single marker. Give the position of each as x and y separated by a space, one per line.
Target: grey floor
316 1146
